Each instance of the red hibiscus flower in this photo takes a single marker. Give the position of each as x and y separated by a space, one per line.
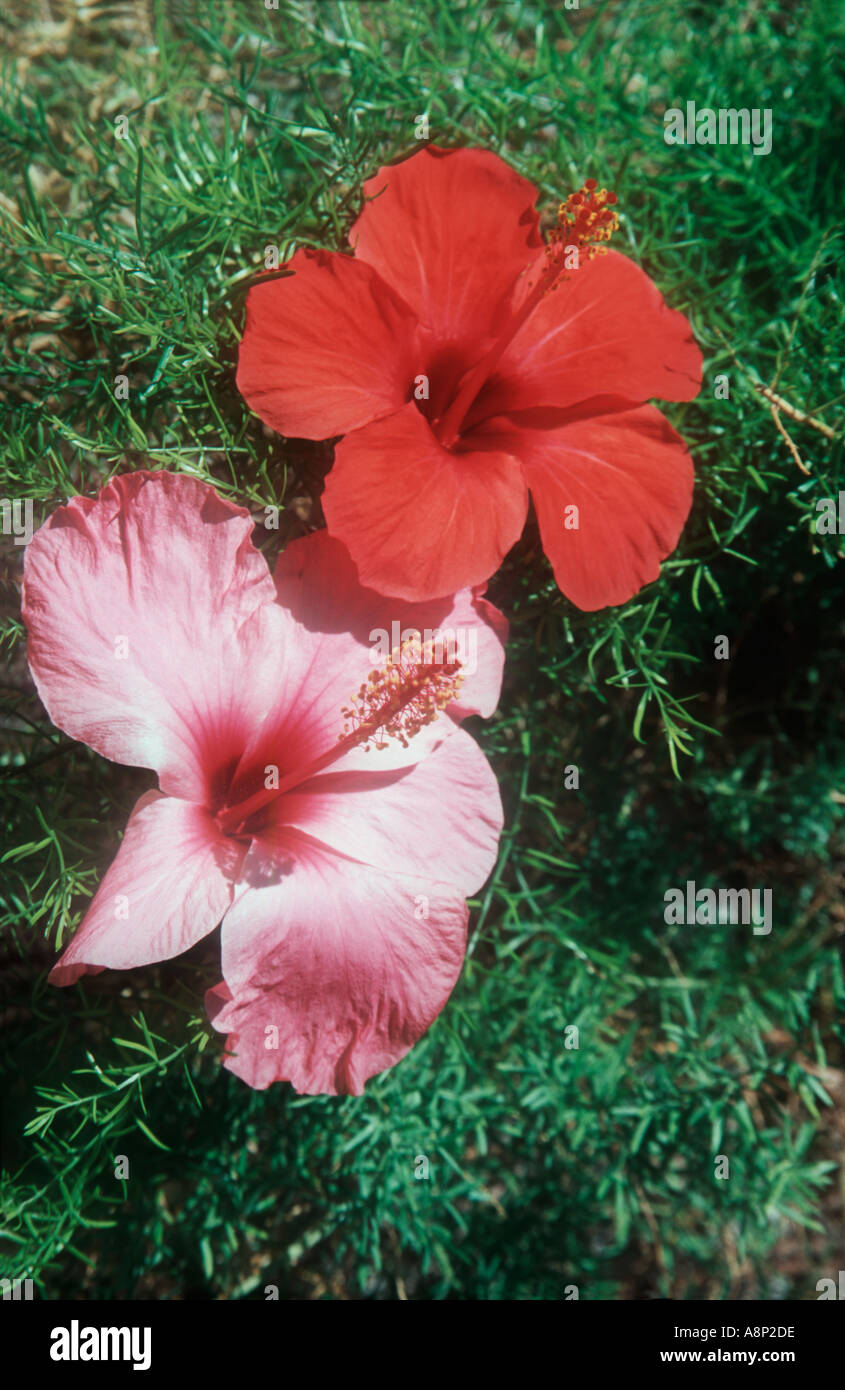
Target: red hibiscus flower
466 364
317 793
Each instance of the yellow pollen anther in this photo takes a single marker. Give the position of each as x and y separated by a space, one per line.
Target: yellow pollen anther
397 699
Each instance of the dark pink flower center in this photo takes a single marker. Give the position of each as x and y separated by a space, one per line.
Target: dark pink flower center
396 701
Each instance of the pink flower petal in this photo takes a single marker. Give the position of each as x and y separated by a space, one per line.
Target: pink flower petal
144 608
168 887
441 816
334 972
339 632
317 582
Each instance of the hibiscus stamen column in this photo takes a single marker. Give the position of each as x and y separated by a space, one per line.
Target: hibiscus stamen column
401 697
585 220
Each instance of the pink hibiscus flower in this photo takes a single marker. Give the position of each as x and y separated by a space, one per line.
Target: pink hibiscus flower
317 795
461 383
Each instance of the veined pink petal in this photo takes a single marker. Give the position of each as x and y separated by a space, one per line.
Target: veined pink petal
317 582
144 609
168 887
441 816
334 971
339 632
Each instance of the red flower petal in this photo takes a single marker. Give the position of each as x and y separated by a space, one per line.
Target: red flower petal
451 231
604 331
418 520
630 477
327 348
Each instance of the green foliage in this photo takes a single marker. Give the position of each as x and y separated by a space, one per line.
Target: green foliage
550 1165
